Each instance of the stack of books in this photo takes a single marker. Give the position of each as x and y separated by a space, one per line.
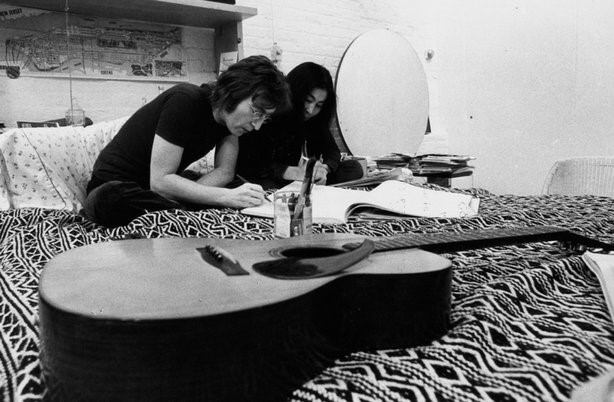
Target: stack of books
427 165
392 161
440 164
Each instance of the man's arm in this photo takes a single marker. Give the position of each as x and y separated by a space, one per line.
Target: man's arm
226 153
165 159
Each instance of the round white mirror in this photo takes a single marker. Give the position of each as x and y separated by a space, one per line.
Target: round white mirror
382 95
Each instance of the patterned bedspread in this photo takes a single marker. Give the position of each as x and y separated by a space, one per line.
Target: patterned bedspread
529 322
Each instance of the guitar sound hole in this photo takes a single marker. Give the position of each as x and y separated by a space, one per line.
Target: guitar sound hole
310 252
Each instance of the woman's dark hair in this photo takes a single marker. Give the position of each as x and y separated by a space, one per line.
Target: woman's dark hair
303 79
253 77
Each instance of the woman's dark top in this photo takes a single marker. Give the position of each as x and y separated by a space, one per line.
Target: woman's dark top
182 115
265 155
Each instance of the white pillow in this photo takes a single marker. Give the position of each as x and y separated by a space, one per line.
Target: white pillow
50 167
5 198
28 183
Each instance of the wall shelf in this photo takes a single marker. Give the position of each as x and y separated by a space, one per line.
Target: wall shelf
196 13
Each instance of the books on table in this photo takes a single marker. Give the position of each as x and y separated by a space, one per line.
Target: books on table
335 205
428 164
434 164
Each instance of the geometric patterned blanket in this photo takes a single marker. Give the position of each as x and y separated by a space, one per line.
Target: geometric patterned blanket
529 322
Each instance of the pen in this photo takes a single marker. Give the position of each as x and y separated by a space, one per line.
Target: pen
305 188
304 154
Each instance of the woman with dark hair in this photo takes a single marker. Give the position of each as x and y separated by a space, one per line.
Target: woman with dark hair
279 154
140 170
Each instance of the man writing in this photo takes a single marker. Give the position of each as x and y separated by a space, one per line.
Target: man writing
139 170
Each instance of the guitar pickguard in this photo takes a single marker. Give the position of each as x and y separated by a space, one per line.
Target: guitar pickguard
307 268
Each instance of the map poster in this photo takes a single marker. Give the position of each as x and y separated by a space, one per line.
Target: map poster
51 44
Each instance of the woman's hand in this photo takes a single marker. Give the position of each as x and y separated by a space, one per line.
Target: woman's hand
246 195
320 171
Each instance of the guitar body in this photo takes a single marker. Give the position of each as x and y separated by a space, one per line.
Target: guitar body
149 319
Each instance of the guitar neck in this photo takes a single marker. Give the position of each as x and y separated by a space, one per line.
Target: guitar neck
450 242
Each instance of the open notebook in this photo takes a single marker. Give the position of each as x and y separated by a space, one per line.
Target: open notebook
334 205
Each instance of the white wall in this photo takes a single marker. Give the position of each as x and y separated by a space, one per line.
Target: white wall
524 83
516 83
320 30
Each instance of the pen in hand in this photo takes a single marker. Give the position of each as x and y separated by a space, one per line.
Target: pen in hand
268 197
254 187
320 171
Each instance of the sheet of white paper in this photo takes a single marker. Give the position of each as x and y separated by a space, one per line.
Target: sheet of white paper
603 266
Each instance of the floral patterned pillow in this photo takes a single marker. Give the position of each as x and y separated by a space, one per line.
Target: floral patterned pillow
66 164
28 184
5 198
97 136
50 167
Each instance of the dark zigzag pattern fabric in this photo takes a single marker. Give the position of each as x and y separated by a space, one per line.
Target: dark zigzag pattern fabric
529 321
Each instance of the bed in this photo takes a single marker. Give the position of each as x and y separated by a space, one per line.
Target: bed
528 322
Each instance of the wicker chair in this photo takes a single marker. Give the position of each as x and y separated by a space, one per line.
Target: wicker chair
580 176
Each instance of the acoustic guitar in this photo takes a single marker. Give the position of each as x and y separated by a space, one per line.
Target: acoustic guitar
231 320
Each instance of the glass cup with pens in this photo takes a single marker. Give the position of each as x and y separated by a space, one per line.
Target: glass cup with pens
293 210
292 214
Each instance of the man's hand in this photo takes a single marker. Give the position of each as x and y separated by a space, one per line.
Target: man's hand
246 195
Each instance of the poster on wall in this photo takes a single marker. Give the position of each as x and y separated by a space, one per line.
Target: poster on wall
51 44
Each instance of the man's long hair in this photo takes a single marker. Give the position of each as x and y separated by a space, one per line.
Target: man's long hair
254 77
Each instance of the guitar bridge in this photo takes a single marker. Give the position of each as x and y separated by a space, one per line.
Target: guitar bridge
221 259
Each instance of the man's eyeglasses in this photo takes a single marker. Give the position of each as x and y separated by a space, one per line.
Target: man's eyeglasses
259 114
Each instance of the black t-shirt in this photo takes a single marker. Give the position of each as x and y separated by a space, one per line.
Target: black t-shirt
182 115
266 154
